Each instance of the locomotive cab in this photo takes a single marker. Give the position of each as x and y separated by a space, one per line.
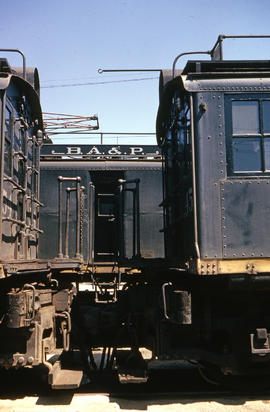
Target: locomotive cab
214 131
21 137
213 127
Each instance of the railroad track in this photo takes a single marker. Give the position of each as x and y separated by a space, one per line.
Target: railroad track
177 390
180 382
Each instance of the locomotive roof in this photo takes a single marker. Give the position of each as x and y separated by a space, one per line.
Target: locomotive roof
4 66
225 75
26 89
226 66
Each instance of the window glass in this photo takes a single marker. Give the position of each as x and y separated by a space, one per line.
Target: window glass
34 182
245 117
183 126
106 205
7 123
7 154
7 157
188 126
247 154
266 116
267 153
30 152
21 173
181 139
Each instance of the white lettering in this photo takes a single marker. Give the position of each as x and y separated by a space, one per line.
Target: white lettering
74 150
114 150
136 150
56 153
94 151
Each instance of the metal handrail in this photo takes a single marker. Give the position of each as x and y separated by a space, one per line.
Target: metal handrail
91 222
222 37
217 47
77 180
23 58
184 54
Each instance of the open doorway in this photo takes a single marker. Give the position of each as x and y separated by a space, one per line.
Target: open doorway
106 215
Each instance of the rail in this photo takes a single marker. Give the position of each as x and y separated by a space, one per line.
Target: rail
77 180
216 52
23 58
91 223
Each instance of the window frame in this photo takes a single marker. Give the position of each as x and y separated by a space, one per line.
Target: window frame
100 198
8 137
229 99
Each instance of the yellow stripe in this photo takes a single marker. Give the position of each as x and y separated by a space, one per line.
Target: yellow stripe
222 266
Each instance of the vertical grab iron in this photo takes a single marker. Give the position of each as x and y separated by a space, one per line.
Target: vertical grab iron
62 179
91 223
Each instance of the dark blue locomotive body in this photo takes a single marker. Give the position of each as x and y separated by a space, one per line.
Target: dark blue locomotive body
34 310
217 168
113 178
213 127
109 268
21 137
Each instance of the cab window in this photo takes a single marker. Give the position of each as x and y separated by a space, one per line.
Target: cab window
8 140
248 134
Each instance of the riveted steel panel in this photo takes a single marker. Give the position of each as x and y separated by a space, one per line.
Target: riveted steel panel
255 84
210 169
151 215
49 213
246 218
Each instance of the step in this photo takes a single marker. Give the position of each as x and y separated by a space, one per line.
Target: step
132 377
64 378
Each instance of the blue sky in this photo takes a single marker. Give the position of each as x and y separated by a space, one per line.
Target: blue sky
68 41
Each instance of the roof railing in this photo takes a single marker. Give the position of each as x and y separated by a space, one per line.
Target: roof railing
216 52
23 58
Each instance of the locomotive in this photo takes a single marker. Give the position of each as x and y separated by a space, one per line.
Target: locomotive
105 223
161 247
70 232
213 126
35 308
